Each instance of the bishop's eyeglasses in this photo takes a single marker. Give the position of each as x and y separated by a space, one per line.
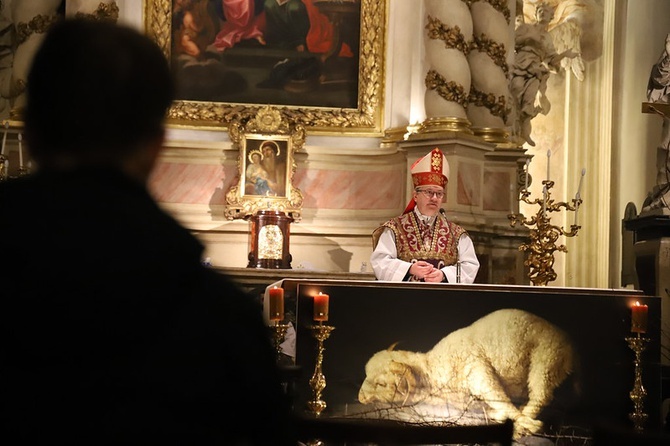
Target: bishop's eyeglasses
430 193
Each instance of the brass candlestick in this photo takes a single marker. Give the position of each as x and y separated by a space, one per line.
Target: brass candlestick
637 395
318 381
278 336
23 171
4 174
543 235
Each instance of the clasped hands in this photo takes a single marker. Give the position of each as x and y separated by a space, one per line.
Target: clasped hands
424 270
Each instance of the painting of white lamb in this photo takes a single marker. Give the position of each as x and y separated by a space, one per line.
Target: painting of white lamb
511 360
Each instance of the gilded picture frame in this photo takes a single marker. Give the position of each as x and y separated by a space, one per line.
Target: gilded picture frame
266 165
363 113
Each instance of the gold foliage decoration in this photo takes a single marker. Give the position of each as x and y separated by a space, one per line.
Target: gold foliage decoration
449 91
452 37
38 24
108 12
497 106
495 50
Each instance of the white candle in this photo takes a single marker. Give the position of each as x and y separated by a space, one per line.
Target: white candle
4 138
581 180
20 151
526 185
548 162
578 195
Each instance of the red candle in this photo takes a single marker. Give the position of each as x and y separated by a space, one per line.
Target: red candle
276 304
321 307
639 318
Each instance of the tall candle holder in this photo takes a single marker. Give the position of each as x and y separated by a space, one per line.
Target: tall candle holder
278 335
4 167
318 381
638 393
23 171
543 235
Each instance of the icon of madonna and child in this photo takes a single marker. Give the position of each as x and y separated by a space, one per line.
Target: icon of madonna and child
265 173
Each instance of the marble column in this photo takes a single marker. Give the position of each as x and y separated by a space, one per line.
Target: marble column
489 107
30 21
447 39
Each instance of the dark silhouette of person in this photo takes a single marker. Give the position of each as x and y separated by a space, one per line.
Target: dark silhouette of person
113 332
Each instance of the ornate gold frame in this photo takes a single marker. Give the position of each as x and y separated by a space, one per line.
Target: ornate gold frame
365 119
270 127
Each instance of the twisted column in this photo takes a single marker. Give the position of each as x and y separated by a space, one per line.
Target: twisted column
447 41
93 9
489 103
30 20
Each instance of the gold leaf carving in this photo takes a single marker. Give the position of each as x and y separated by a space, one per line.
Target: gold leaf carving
452 37
449 91
269 125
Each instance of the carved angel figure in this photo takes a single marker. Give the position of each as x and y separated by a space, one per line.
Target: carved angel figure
577 25
658 91
535 59
567 36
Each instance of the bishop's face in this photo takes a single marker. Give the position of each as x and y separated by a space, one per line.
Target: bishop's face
429 199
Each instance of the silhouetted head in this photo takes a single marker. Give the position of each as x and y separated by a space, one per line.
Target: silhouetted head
97 94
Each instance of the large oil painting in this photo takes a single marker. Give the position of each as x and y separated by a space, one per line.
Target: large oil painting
318 60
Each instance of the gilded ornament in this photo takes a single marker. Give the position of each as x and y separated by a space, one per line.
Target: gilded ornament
449 91
270 125
496 105
452 37
544 235
495 50
37 25
108 12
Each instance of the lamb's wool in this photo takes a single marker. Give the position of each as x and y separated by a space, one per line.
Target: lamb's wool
510 359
